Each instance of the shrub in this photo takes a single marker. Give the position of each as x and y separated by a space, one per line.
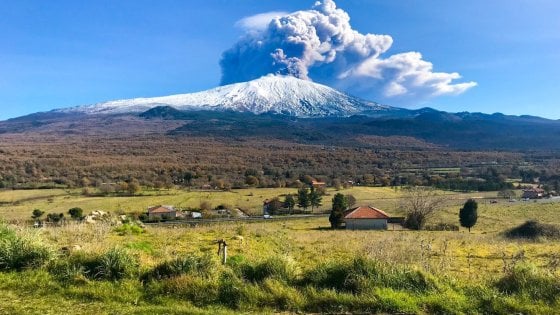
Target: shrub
414 221
203 266
76 213
37 213
534 230
55 217
19 252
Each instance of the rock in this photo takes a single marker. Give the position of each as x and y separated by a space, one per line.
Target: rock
70 249
90 219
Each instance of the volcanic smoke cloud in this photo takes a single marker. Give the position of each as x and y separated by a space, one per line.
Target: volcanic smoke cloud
320 45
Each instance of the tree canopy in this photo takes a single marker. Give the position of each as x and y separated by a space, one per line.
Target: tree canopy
468 214
339 204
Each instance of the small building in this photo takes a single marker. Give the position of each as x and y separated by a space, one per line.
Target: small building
162 212
318 184
366 218
533 193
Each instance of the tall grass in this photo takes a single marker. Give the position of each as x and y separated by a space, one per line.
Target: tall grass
356 284
114 264
19 252
527 280
204 266
360 274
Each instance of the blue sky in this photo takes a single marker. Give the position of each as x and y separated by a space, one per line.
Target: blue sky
63 53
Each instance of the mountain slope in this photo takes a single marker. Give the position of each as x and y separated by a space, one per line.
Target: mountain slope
269 94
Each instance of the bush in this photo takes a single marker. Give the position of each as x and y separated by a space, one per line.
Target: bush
414 221
203 266
18 252
534 230
76 213
55 217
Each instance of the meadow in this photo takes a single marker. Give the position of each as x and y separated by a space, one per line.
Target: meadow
18 204
289 266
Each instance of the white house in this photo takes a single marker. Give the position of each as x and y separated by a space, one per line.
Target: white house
365 218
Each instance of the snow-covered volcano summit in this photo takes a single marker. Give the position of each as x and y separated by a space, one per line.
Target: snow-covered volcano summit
277 94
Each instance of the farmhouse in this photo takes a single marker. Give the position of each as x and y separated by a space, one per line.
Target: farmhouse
365 218
533 193
162 212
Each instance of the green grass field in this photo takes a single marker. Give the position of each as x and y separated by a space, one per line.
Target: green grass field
18 204
465 267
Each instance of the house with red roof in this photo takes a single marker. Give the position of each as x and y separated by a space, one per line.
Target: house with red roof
162 212
366 218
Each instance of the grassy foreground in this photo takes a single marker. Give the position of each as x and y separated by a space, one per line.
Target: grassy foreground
291 266
296 266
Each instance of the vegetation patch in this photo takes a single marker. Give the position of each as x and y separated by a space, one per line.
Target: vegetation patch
129 229
527 280
362 274
115 264
203 266
534 230
21 252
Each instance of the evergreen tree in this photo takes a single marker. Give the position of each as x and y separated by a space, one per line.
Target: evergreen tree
468 214
303 198
289 202
339 204
315 198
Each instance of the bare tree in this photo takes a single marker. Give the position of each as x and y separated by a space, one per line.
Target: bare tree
420 203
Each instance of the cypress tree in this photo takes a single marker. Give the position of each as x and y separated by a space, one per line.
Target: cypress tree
468 214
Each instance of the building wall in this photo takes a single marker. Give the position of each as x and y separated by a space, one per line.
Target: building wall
366 224
170 215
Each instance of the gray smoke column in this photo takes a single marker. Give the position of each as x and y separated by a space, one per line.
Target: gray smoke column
320 45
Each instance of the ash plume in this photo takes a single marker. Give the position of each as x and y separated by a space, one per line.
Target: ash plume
320 45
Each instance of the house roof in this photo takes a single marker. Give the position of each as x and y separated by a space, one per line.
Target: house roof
161 209
365 212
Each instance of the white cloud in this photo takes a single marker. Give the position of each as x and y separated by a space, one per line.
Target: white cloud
259 22
321 45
